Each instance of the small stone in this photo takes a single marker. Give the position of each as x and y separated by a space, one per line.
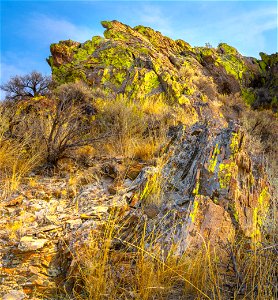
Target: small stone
28 243
100 209
15 201
36 207
14 295
61 207
74 223
151 211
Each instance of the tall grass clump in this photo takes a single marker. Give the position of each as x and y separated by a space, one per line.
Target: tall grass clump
110 267
17 157
137 128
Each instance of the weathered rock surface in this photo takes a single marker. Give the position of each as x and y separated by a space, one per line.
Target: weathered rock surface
141 62
211 190
34 233
210 187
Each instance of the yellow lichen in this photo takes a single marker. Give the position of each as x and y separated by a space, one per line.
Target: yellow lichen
259 214
234 143
196 189
194 212
214 158
225 174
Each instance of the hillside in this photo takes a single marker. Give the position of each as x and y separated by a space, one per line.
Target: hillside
140 62
147 171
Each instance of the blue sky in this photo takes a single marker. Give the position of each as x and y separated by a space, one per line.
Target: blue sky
29 27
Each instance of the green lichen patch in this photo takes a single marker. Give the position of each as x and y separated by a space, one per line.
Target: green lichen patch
233 65
225 174
183 100
214 159
205 51
83 53
184 46
141 83
116 31
194 213
197 188
248 96
177 91
259 214
116 56
119 77
234 145
107 24
264 197
227 49
151 81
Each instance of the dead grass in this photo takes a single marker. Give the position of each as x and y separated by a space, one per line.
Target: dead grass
17 158
137 273
142 270
137 129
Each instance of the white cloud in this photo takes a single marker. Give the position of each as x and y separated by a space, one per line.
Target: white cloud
249 28
245 30
153 16
50 30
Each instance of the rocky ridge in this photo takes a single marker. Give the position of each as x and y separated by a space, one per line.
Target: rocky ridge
212 190
141 62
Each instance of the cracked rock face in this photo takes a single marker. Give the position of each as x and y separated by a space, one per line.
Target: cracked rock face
211 168
35 228
211 188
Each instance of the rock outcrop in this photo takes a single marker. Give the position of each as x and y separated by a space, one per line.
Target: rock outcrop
211 190
210 187
141 62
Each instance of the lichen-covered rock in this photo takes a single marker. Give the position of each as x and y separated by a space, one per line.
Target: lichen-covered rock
211 190
209 172
28 243
141 62
42 227
214 164
205 187
14 295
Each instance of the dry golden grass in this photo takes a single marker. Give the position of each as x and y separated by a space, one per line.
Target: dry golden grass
17 158
142 270
137 129
137 273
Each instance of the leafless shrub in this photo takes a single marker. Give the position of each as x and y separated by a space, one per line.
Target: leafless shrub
30 85
56 124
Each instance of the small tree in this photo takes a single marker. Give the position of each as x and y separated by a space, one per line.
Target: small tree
70 125
27 86
57 123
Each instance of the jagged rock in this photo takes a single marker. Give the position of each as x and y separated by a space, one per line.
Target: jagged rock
211 188
140 62
37 261
28 243
15 201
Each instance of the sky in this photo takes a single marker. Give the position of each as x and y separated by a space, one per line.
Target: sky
29 27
